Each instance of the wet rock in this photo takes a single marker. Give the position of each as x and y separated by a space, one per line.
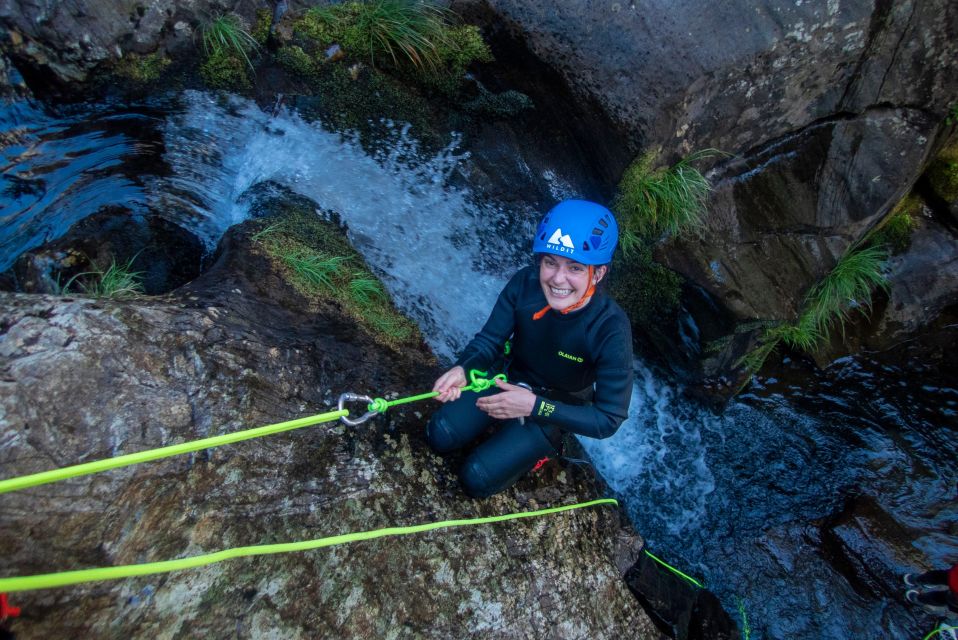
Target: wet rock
869 547
679 608
85 379
166 255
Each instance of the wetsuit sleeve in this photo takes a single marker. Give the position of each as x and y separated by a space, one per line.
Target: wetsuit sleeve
486 346
613 392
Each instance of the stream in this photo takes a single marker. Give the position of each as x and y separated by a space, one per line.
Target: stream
783 504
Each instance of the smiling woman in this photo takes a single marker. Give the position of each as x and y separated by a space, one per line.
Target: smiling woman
572 368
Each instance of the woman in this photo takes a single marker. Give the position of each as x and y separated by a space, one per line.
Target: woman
570 367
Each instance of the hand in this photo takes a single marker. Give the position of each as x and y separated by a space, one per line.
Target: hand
449 385
513 402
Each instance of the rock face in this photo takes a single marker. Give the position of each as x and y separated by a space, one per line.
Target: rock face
85 379
830 111
55 43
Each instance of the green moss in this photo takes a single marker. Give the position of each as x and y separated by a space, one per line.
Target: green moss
895 230
364 100
297 62
943 173
646 290
142 69
260 31
225 71
460 47
317 259
499 105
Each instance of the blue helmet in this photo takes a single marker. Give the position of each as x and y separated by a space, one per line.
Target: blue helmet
579 230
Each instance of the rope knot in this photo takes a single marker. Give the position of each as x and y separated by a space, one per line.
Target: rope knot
379 405
477 381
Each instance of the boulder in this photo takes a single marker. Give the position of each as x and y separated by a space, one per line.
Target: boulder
236 348
164 254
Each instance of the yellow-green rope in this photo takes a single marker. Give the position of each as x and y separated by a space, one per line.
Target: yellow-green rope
55 475
51 580
477 382
940 629
674 570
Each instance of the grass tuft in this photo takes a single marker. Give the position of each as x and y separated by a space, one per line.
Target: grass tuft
315 268
383 30
227 36
319 262
115 282
664 201
364 290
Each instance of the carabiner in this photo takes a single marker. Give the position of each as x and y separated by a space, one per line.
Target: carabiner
355 397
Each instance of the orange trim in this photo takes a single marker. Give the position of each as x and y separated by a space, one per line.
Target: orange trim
585 298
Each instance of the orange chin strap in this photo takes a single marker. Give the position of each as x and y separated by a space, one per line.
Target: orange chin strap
585 298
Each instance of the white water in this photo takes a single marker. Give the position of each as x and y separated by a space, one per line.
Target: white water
428 241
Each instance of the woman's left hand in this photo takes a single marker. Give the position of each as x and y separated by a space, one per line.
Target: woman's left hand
513 402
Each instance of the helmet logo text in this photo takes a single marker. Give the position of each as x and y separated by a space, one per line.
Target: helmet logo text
564 240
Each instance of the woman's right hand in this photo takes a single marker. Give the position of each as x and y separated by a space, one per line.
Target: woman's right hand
449 385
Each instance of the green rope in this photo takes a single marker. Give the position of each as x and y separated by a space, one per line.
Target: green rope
940 629
89 468
51 580
675 571
477 382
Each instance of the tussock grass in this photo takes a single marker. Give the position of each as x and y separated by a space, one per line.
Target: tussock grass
383 29
847 289
652 202
320 263
227 36
115 282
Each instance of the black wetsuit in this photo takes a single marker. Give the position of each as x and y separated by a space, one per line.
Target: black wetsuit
563 358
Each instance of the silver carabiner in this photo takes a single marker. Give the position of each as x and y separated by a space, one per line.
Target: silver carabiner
355 397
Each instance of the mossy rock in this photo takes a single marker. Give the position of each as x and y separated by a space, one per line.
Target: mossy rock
225 71
260 30
316 258
648 292
418 42
943 173
363 99
142 69
896 229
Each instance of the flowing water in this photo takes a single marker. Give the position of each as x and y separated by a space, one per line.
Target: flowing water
752 501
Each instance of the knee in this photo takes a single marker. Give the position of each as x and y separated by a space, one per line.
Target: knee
475 478
441 435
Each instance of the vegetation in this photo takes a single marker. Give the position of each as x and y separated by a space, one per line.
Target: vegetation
401 34
223 71
116 281
847 288
665 201
646 290
228 46
381 30
260 31
895 230
142 69
943 173
227 37
319 262
952 115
